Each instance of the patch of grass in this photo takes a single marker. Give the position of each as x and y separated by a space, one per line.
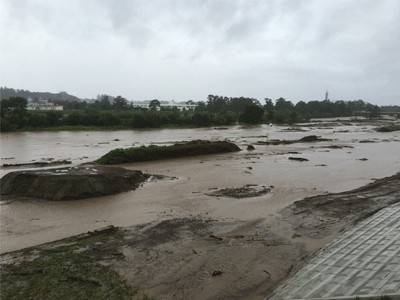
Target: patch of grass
61 270
103 235
153 152
389 128
64 275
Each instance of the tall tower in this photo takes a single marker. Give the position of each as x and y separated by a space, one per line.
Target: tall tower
326 96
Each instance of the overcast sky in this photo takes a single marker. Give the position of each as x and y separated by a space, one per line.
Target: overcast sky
183 50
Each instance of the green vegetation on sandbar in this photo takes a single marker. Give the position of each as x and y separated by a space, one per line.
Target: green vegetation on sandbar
389 128
63 270
153 152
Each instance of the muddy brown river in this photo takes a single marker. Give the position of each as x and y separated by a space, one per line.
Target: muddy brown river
354 156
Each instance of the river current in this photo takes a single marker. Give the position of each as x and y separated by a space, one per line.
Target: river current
354 156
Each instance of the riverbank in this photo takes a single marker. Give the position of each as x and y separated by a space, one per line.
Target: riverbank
97 128
382 125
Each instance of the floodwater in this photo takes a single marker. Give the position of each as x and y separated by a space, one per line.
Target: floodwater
27 222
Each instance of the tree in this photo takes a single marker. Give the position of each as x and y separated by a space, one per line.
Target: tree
120 103
252 114
38 119
374 111
13 112
302 110
202 118
238 105
139 120
269 108
201 106
105 103
74 118
54 117
280 118
13 105
283 105
217 104
154 105
293 117
107 119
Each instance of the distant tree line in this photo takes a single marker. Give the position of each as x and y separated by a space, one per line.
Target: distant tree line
216 111
7 93
282 111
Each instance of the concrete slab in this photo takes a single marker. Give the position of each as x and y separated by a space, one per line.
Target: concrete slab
363 262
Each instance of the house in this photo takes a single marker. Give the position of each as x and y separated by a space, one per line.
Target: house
44 105
189 105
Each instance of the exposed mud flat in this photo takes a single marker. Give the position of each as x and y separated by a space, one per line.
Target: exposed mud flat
206 259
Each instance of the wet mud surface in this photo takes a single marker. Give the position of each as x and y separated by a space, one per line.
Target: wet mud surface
305 139
70 183
321 215
215 260
38 164
247 191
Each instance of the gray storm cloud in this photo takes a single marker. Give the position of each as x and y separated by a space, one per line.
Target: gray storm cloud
188 49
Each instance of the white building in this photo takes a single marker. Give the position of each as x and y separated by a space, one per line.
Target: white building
179 105
190 105
44 105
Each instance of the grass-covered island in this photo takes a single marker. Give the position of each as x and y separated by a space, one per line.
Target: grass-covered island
153 152
389 128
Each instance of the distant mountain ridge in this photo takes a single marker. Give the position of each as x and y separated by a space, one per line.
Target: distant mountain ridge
6 93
